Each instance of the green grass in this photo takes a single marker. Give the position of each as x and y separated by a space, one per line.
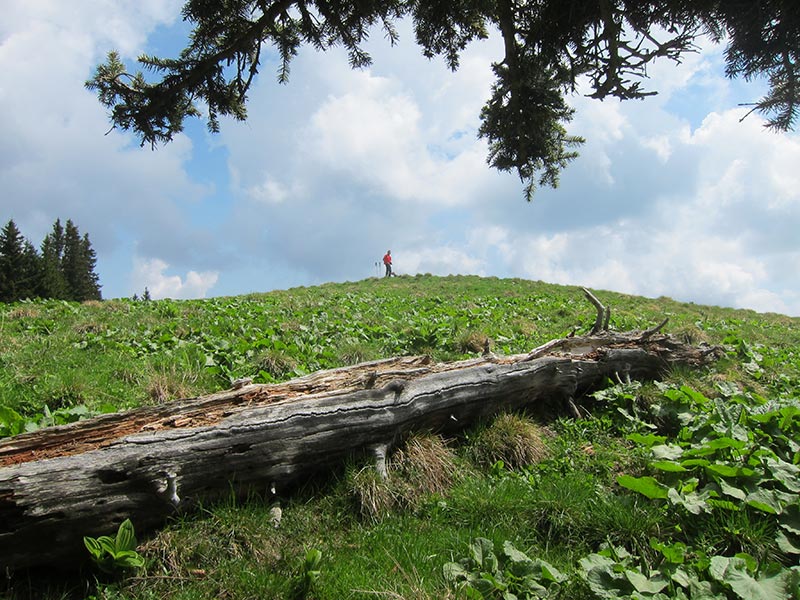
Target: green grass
555 494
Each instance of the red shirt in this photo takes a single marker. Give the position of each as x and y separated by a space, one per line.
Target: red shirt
387 259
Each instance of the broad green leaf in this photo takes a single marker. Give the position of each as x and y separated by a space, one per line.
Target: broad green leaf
681 577
126 539
729 471
667 452
482 552
765 501
668 466
598 572
646 440
11 422
647 486
694 502
789 415
733 573
790 518
787 473
645 585
129 559
787 544
550 573
93 546
454 572
724 504
731 490
695 462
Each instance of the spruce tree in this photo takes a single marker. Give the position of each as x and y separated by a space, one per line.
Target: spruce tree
31 271
52 283
89 283
77 265
12 263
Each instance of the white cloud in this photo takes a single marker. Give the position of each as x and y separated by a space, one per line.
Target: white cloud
151 274
671 195
375 134
438 260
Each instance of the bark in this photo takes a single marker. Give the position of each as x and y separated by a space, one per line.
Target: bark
60 484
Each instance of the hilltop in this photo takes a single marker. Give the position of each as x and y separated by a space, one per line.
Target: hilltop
558 490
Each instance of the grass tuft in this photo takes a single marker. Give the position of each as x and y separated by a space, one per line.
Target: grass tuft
515 440
373 496
424 466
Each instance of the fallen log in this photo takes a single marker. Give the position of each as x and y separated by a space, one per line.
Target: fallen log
60 484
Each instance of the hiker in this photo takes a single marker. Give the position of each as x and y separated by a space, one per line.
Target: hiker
387 262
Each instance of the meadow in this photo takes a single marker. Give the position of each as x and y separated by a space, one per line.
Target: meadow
682 488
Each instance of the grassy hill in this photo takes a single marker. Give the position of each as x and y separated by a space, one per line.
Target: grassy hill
657 493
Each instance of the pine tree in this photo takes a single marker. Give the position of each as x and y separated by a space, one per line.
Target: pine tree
77 266
31 271
19 265
89 280
52 283
12 264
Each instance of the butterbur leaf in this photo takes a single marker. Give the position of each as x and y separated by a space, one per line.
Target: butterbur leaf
787 544
668 466
482 552
645 585
693 502
790 519
765 501
454 572
733 572
787 473
730 471
647 486
646 440
731 490
513 554
550 573
666 452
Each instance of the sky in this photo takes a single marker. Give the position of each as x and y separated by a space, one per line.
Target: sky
671 196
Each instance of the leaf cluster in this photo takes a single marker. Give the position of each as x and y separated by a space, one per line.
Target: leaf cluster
505 573
115 553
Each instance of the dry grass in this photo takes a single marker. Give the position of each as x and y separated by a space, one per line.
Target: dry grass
515 440
471 342
373 496
23 312
424 466
168 383
276 363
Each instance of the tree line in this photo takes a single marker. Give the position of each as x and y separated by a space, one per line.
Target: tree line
63 267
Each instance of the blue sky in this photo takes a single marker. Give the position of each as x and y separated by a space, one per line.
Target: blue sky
672 196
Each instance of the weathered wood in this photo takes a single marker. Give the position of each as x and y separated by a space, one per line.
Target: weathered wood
60 484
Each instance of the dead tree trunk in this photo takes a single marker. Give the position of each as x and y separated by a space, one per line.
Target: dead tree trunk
60 484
